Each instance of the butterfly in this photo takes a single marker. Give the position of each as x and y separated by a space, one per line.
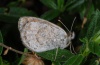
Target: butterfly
40 35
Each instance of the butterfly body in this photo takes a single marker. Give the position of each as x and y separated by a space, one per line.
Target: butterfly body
41 35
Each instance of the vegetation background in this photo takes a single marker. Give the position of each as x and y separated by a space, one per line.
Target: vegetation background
86 27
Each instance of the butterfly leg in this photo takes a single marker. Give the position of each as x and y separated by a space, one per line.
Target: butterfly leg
72 48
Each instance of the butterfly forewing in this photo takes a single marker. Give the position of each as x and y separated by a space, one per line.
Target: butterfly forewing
40 35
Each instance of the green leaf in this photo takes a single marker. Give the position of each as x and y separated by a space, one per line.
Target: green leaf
1 42
94 44
83 9
57 55
96 38
74 60
71 4
1 62
50 3
93 35
94 25
84 50
94 48
56 63
60 5
14 13
22 57
51 14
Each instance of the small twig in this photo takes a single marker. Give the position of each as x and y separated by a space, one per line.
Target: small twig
14 50
6 51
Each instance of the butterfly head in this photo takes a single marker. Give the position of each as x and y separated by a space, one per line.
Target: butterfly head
71 35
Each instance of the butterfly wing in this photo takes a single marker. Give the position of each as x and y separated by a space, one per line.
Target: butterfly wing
40 35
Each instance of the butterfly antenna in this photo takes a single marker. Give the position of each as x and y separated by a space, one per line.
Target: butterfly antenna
72 24
64 25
